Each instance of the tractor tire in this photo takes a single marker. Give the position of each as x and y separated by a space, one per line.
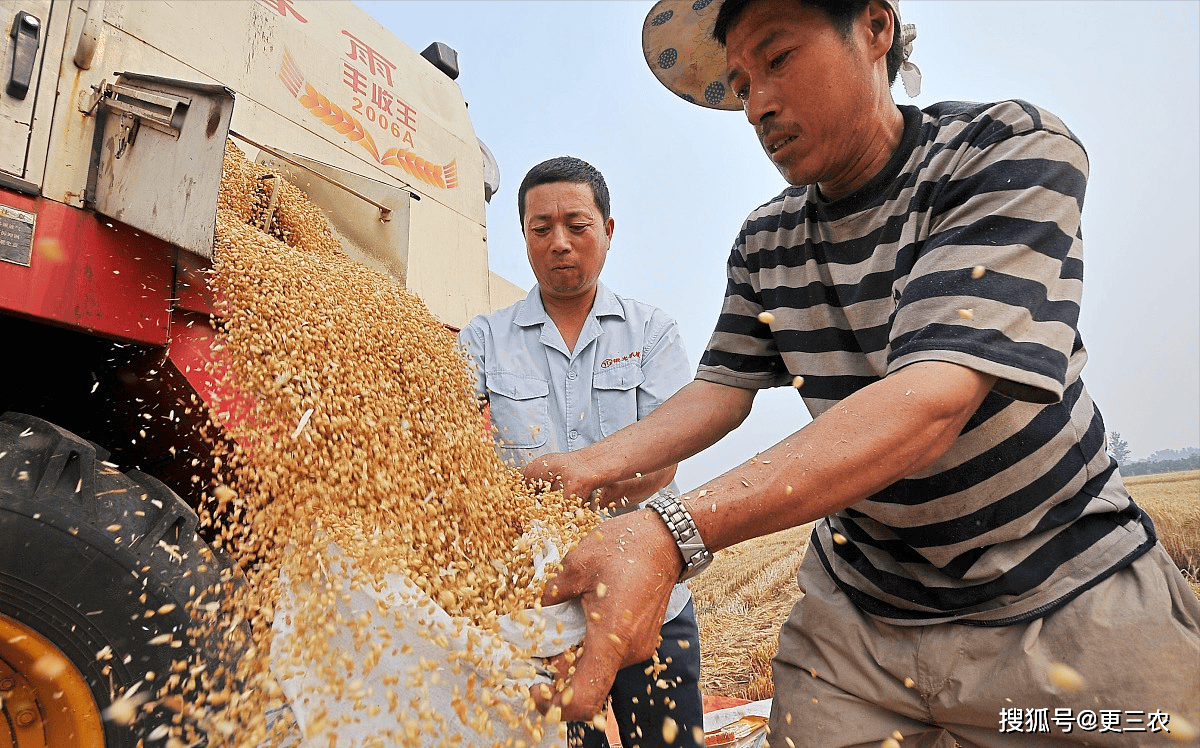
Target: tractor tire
97 569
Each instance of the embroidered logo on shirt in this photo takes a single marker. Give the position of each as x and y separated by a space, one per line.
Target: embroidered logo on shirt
610 361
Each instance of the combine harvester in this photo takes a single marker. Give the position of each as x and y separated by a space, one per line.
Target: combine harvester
114 119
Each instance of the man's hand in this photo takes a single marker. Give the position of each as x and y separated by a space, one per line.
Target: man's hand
623 573
886 431
565 471
631 461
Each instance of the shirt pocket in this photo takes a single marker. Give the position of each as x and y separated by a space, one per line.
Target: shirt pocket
616 396
520 409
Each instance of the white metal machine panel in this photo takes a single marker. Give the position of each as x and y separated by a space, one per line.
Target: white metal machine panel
319 79
26 44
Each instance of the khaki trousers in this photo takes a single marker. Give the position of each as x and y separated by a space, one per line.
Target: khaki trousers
840 675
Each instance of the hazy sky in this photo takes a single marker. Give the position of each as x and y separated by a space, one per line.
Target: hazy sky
545 79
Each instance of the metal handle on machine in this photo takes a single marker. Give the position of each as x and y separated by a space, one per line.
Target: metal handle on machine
89 35
26 36
385 213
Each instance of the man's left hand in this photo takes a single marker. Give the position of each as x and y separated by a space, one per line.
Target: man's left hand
563 470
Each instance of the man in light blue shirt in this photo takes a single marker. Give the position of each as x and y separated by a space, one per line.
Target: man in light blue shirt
569 365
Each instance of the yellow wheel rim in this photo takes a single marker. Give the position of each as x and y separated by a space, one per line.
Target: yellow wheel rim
44 699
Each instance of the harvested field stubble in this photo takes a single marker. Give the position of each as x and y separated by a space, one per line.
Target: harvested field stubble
1173 501
351 420
741 602
744 597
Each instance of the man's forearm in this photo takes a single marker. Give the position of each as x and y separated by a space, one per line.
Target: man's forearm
885 432
692 420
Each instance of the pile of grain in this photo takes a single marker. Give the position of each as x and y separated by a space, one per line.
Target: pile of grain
350 418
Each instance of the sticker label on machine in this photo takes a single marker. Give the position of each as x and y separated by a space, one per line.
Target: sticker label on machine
16 235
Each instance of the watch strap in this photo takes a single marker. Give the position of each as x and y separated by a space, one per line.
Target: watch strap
683 529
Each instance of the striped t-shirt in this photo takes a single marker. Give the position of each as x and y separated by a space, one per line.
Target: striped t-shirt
1027 509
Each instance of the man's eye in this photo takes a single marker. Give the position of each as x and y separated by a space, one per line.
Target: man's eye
579 227
541 231
778 59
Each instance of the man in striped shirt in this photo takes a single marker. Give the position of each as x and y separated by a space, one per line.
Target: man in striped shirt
920 283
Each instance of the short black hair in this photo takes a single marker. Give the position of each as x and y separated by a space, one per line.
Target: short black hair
841 13
565 169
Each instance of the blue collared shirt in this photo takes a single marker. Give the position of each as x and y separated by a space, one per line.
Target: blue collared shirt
546 398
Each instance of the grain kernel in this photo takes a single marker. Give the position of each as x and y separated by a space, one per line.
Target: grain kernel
1065 677
362 430
670 730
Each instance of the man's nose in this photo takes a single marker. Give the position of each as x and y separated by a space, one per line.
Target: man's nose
559 239
760 104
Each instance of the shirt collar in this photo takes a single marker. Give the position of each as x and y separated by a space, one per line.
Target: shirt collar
531 311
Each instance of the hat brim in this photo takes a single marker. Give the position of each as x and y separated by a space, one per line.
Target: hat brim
679 48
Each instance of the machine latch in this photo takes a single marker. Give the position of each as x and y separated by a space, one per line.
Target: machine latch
127 133
139 106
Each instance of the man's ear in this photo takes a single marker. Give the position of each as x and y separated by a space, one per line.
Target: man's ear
879 28
608 227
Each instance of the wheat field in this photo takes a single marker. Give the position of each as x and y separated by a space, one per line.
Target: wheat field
744 597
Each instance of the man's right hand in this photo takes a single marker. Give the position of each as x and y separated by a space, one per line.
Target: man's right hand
623 574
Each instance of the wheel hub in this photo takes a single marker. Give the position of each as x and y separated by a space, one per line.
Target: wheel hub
44 700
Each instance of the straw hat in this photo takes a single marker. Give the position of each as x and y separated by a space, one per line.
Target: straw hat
679 48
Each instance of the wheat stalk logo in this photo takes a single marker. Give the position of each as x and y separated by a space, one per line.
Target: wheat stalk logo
342 121
339 119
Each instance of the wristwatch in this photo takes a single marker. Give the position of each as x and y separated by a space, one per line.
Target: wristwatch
683 528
